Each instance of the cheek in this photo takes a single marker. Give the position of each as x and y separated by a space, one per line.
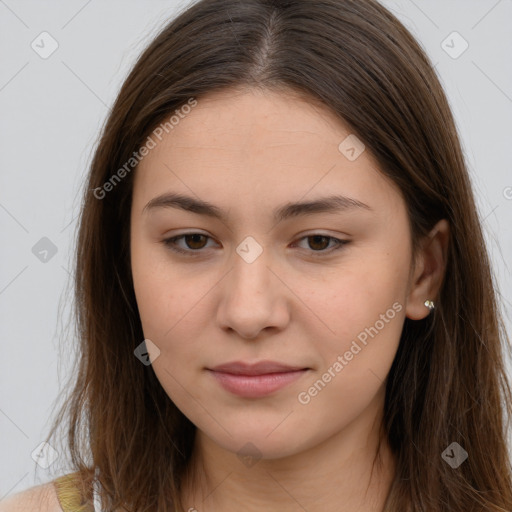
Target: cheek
169 308
170 312
364 310
172 304
356 360
163 294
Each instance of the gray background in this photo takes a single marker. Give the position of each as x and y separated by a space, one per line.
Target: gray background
51 113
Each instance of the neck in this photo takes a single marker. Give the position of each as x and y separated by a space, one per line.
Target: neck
350 471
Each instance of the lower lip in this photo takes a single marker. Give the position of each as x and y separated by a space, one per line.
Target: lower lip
255 386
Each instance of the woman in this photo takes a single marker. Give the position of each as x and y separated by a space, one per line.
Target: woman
283 295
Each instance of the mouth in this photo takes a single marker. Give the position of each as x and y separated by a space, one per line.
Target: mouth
256 380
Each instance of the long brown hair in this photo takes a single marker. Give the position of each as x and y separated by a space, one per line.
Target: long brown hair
448 382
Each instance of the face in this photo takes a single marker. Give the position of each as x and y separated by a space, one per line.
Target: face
276 309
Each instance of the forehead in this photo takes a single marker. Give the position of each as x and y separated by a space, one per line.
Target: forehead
249 142
252 119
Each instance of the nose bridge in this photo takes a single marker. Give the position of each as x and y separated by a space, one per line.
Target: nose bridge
250 276
251 300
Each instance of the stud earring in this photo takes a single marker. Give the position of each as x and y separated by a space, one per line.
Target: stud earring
429 304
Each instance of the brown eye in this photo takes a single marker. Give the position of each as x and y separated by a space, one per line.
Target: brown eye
319 245
194 241
318 242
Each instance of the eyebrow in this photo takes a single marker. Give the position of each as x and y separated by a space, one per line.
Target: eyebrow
330 204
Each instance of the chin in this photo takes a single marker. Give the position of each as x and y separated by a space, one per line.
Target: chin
262 439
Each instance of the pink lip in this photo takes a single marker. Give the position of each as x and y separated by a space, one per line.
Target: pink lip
255 380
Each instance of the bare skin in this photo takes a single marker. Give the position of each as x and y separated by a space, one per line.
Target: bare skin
299 302
40 498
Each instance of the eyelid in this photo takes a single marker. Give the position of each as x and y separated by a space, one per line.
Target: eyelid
170 243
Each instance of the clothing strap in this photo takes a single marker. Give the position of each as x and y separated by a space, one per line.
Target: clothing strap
68 493
96 491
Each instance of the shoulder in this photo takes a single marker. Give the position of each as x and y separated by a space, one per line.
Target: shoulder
41 498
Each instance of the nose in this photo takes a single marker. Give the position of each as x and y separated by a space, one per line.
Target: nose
253 298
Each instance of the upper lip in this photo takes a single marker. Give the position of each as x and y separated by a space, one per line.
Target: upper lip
260 368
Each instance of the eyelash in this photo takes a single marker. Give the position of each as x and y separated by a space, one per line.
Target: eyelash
170 243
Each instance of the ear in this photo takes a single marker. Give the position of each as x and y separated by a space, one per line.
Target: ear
429 270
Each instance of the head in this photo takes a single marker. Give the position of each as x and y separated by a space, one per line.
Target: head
308 287
221 133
